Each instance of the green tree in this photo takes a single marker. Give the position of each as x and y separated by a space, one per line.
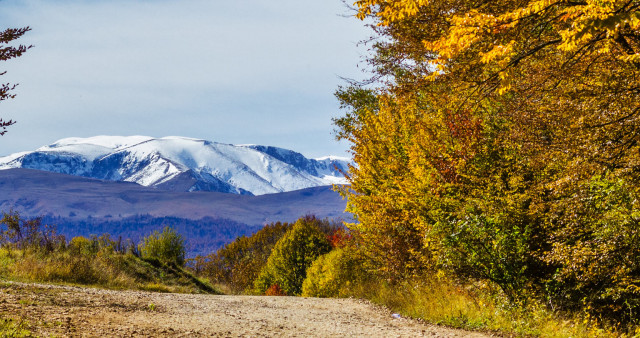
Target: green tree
292 255
167 246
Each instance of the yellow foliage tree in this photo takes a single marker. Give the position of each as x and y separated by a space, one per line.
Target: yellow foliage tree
493 129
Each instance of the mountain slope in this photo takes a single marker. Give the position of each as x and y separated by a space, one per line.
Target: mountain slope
183 164
41 193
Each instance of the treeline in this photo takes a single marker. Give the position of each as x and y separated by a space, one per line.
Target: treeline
202 236
280 259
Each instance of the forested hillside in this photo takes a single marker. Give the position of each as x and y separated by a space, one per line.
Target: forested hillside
202 236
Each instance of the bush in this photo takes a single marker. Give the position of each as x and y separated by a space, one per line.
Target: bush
167 247
334 274
597 252
292 255
274 290
82 246
28 233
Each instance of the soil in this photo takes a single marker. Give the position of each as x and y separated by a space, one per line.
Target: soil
52 310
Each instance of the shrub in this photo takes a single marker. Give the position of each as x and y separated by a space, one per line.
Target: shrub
334 274
83 246
597 251
275 290
167 246
28 233
292 255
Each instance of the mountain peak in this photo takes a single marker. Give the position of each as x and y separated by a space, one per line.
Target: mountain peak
112 142
184 164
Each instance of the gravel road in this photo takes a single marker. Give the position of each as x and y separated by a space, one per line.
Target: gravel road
73 311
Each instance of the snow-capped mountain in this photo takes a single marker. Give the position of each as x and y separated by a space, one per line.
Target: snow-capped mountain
183 164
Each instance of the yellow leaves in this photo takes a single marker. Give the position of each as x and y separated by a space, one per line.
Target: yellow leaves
633 58
594 19
489 31
389 11
534 8
497 53
541 5
465 31
504 88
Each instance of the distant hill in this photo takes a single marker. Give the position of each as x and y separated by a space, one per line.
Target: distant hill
183 164
83 206
35 192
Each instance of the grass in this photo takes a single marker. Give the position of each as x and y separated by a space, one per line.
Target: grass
104 269
478 308
10 328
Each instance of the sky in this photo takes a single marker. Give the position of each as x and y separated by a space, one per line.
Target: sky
240 71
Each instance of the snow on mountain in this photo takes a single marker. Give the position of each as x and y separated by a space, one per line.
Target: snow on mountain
183 164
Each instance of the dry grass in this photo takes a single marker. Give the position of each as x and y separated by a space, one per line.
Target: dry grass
104 269
478 308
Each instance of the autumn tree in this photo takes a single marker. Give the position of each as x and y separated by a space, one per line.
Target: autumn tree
492 135
292 255
6 53
238 263
167 246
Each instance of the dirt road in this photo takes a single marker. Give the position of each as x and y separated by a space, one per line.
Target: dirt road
71 311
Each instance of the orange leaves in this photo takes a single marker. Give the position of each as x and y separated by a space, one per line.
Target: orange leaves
339 238
275 290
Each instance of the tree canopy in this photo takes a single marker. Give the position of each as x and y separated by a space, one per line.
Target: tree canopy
499 142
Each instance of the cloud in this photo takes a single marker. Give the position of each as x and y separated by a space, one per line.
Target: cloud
231 71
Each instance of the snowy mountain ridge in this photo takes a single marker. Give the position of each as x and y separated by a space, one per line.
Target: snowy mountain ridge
183 164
